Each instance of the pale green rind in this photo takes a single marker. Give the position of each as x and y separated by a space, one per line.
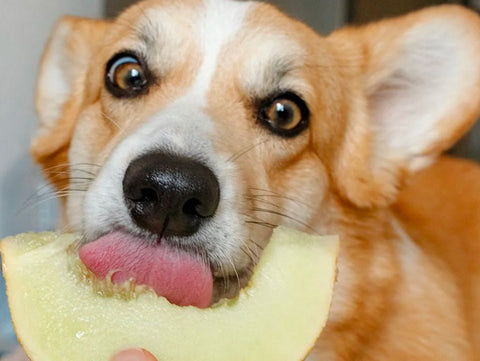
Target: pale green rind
277 318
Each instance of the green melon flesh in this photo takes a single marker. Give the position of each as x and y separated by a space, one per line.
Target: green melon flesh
278 317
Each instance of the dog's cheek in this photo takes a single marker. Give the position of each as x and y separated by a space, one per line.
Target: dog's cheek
86 156
228 227
303 192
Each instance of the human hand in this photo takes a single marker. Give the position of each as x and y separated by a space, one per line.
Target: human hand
134 354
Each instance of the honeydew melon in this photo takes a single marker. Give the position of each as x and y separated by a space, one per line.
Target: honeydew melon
58 316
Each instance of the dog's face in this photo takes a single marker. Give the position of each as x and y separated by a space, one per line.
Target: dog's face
204 123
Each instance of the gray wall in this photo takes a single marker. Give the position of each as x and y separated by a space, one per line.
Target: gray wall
322 15
24 28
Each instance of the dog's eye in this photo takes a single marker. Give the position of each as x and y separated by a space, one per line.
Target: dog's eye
126 77
286 114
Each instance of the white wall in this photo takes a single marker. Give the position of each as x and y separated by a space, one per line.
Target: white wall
322 15
24 28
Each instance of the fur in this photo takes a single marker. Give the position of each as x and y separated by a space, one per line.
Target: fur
385 99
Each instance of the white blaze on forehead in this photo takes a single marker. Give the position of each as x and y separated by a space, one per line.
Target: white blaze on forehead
218 24
165 29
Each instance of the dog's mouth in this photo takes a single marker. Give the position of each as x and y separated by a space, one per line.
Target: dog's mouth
184 278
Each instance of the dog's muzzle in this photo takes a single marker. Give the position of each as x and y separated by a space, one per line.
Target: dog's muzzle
169 198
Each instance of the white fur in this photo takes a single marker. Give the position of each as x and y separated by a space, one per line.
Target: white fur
218 25
182 128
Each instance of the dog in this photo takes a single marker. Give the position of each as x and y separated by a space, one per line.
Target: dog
206 123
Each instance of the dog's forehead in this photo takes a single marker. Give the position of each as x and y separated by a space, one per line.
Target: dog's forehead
251 40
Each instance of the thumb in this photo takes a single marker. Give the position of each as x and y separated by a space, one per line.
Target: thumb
134 354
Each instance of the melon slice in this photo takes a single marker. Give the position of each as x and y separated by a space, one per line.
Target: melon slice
278 317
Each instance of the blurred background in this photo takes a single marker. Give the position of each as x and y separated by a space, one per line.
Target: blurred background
26 203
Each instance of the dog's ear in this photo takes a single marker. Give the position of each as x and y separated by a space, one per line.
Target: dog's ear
414 89
60 90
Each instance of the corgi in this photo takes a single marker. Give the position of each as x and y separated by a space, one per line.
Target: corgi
203 124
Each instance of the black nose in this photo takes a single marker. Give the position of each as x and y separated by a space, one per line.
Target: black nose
170 195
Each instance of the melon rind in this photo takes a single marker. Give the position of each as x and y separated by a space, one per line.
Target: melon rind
278 317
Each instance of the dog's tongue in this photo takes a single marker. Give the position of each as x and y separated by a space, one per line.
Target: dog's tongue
176 275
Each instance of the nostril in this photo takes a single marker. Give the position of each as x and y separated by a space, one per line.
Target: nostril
191 207
148 195
195 208
138 194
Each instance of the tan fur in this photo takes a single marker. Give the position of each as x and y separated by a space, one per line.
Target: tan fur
396 298
50 148
366 55
441 209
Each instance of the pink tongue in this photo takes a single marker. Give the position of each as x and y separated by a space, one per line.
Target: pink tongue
176 275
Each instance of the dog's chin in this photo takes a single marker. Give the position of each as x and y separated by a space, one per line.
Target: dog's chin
229 286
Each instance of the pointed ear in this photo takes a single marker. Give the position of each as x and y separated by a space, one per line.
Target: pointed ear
414 89
60 90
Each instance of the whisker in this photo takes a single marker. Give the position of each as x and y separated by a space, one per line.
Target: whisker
263 224
48 197
40 197
265 210
36 203
72 190
69 172
47 189
71 165
279 210
224 278
84 179
248 253
244 151
40 191
46 192
256 199
261 248
274 194
254 256
113 121
61 194
253 219
236 273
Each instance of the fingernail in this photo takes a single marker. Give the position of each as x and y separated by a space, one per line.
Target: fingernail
148 356
134 354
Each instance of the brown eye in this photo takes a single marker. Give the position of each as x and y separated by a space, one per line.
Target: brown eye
287 114
126 77
284 114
